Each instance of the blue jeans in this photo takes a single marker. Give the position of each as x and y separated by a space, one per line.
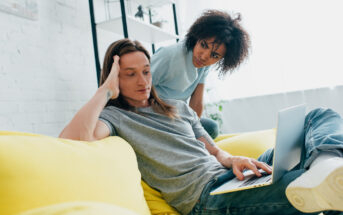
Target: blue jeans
323 132
210 126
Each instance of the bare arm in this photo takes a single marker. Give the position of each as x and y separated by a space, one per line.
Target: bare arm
86 124
237 163
196 100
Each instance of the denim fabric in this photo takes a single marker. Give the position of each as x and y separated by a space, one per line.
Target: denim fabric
210 126
323 132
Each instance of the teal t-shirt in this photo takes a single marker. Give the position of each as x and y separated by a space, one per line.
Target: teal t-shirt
173 74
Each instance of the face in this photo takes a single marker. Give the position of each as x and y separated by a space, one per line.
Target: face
135 78
206 52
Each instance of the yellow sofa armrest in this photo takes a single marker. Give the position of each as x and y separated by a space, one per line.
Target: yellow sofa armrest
38 171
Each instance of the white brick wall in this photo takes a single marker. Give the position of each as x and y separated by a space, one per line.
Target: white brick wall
47 69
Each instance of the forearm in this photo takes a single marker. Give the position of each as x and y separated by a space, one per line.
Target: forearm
237 163
196 101
223 157
197 107
83 125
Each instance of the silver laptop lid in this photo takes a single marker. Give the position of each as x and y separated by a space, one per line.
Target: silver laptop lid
289 140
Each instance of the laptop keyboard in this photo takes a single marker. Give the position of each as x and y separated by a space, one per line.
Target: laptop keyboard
257 180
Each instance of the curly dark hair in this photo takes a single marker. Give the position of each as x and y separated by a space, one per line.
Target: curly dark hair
226 30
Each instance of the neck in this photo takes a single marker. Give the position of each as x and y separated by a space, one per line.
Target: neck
138 104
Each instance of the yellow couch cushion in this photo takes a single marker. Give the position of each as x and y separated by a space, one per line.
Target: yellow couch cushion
80 208
249 144
156 203
37 171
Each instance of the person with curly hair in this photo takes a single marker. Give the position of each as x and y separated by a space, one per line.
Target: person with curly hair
179 71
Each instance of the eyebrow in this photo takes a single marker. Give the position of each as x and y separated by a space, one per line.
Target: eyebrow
206 43
217 54
133 68
213 46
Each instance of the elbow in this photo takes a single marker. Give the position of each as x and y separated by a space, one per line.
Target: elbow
196 103
66 134
76 135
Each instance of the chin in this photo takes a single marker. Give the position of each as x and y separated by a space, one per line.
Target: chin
143 97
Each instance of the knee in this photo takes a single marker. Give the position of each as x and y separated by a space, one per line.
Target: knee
210 126
319 116
320 113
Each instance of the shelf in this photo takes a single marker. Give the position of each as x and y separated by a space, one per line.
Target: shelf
137 30
153 3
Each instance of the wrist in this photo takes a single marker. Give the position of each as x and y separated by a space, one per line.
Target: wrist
109 94
229 160
106 92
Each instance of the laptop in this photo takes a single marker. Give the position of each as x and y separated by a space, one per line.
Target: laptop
287 152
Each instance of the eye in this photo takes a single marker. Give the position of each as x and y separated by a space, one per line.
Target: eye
203 44
146 72
130 74
215 56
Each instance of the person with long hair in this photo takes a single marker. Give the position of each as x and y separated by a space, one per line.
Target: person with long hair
176 155
179 71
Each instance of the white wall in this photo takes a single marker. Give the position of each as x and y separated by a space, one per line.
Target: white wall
295 57
46 67
296 45
260 112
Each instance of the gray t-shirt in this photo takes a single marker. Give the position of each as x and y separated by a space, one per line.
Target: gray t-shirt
170 158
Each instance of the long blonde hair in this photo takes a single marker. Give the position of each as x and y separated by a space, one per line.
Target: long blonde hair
125 46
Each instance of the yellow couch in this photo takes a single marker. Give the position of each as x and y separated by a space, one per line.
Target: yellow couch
46 175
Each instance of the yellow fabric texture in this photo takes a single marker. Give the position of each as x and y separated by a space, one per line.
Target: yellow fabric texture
250 144
37 171
80 208
157 205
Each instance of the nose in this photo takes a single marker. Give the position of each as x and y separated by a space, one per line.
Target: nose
142 80
204 55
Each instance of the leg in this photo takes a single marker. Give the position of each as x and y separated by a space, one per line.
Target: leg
323 132
210 126
263 200
321 187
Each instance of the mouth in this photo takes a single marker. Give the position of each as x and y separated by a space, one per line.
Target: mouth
144 90
198 62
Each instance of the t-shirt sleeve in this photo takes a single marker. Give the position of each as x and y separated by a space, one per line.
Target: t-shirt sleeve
199 131
204 75
111 119
160 65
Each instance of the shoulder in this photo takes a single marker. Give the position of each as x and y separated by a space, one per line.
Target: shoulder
172 50
111 108
111 111
206 68
174 102
203 72
180 105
